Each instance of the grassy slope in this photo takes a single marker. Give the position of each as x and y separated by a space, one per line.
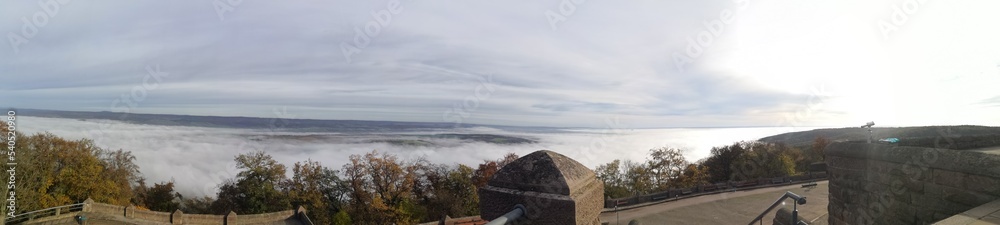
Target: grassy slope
962 137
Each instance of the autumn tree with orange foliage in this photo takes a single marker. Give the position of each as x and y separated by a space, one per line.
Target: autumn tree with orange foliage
380 185
819 144
488 168
317 188
53 171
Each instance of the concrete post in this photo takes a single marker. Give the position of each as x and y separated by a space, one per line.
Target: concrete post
177 217
230 218
130 211
300 214
88 205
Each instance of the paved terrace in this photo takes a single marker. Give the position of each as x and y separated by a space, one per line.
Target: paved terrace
728 208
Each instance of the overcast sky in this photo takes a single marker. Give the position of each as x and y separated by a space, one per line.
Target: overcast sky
541 63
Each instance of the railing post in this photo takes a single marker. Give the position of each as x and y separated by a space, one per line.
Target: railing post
795 214
797 200
88 205
130 211
230 218
177 217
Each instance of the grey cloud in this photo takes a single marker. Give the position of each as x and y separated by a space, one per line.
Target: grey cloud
606 59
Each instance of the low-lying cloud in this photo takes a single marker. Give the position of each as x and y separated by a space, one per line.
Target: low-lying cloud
200 158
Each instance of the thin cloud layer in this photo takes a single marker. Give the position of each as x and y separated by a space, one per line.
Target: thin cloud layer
539 63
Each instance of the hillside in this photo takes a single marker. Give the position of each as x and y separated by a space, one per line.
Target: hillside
961 137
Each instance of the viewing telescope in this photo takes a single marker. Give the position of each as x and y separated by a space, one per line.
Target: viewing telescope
869 126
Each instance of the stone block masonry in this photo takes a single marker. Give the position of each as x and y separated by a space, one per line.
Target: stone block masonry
884 184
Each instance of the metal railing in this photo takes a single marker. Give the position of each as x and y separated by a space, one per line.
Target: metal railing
799 200
54 211
514 214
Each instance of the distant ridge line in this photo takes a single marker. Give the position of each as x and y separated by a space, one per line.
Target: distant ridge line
257 122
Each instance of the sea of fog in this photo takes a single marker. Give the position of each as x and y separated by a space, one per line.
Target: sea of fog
198 159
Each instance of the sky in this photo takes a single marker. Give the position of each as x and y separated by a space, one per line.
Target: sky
529 63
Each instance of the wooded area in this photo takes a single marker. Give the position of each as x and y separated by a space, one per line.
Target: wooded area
373 188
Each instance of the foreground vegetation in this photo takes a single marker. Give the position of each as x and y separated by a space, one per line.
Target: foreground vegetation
667 168
374 188
380 188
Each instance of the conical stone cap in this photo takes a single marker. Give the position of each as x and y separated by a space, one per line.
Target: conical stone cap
543 171
553 189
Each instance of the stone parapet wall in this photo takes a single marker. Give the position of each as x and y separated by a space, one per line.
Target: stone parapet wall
204 219
884 184
152 216
107 208
131 215
265 217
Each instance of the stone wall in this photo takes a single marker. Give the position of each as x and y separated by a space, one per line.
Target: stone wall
152 216
266 217
131 215
105 208
547 188
203 219
884 184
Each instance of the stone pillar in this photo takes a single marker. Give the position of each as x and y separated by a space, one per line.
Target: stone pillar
177 217
130 211
300 213
553 189
88 205
230 218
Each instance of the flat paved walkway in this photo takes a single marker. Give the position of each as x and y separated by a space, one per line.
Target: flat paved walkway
728 208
